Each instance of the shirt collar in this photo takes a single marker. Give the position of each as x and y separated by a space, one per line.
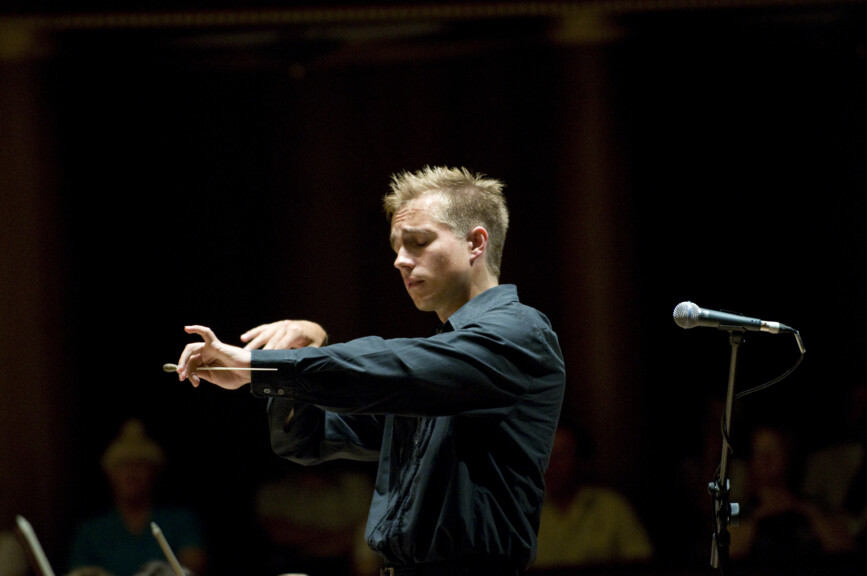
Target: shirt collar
490 298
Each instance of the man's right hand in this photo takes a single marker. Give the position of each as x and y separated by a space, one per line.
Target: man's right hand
212 352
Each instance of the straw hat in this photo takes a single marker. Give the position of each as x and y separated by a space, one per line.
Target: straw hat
132 444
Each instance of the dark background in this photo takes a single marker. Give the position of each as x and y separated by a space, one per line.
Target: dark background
225 167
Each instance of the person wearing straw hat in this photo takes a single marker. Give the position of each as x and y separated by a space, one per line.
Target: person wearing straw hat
120 540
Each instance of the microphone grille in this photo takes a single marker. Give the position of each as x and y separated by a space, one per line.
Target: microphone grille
686 314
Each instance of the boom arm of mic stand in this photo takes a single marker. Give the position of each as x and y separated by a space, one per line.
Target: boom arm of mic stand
719 488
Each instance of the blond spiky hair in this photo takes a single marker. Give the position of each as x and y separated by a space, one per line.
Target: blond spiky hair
469 200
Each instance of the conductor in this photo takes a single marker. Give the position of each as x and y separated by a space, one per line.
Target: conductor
461 422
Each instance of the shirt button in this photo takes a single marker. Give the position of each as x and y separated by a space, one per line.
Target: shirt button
266 390
280 392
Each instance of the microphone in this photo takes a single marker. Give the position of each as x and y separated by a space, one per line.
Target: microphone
689 315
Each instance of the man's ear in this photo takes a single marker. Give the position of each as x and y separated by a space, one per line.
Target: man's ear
477 239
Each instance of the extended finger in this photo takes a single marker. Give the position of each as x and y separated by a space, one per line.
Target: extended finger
253 332
256 342
206 333
262 336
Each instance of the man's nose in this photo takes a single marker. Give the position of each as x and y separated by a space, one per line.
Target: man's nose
402 260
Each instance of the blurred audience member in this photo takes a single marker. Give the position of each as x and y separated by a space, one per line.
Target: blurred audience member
157 568
779 528
855 502
314 517
836 475
13 558
120 540
154 568
89 571
365 562
584 524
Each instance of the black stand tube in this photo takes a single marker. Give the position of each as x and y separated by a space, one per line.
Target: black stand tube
719 488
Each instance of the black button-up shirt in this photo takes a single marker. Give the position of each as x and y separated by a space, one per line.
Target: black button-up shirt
461 423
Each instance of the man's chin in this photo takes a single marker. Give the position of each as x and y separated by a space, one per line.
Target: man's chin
422 304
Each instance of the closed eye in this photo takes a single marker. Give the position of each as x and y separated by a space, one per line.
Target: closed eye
418 238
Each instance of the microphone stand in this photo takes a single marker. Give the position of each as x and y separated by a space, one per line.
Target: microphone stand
723 509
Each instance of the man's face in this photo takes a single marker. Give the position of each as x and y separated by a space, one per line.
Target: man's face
434 263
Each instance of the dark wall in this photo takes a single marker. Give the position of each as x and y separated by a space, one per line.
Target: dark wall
232 176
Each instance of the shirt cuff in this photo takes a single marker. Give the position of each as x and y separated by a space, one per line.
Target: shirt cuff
271 384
